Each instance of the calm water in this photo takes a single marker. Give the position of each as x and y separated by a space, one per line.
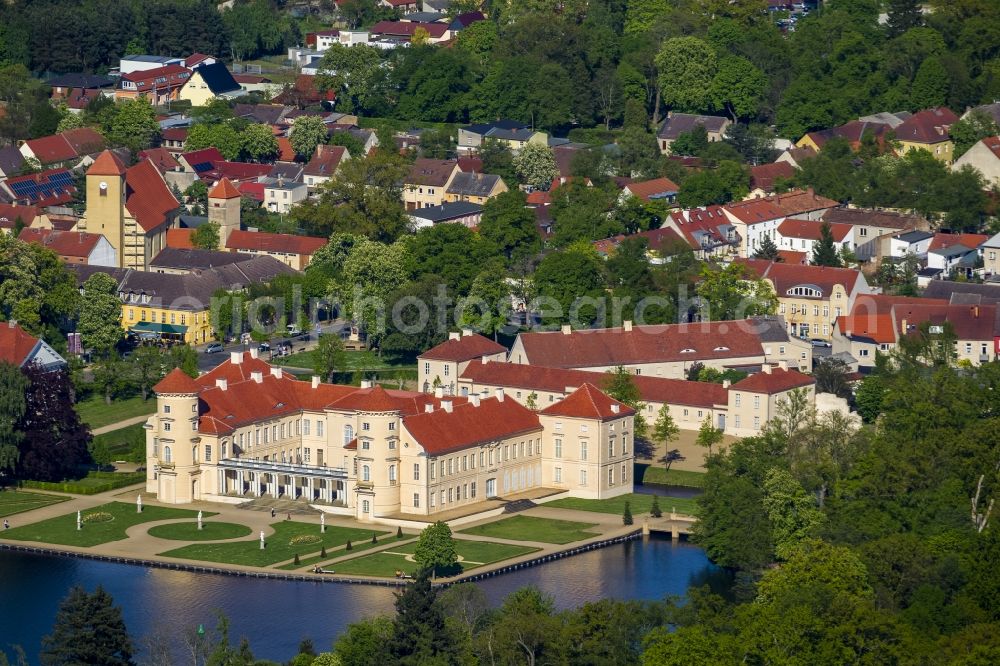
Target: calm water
274 615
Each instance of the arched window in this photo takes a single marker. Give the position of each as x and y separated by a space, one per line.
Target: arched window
225 448
194 454
366 473
348 434
392 474
166 454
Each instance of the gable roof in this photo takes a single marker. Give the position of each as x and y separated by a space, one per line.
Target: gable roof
65 146
969 322
325 162
285 151
763 176
147 196
266 242
9 213
161 158
217 77
812 229
927 126
80 80
180 238
658 240
15 344
774 381
970 241
853 132
442 431
589 402
649 190
202 160
162 78
11 160
786 276
474 184
47 188
678 123
428 172
463 349
877 328
874 218
64 243
107 164
195 258
404 29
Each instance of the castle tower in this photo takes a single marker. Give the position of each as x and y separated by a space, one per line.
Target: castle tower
173 447
106 201
224 209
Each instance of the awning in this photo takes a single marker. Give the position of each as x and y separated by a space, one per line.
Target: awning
162 329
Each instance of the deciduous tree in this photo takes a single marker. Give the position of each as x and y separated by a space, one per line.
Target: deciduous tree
435 550
307 133
686 70
100 313
535 165
206 237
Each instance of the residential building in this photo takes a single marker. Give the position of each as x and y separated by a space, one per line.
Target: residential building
405 31
158 86
440 366
764 178
755 400
660 244
873 229
802 235
471 137
457 212
810 298
476 188
665 350
427 182
950 252
680 123
181 261
280 195
661 190
324 164
22 349
854 132
795 156
928 130
65 148
371 453
984 157
11 161
208 81
174 138
707 230
73 247
756 218
144 63
132 208
53 187
64 84
30 216
294 251
990 251
910 243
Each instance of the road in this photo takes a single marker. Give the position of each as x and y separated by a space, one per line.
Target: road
207 362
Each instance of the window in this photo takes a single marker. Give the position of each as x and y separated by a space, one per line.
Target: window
611 447
427 368
166 454
465 463
442 468
506 452
558 474
392 443
826 329
756 402
416 471
156 446
472 461
558 448
583 450
319 427
736 400
450 468
815 310
862 231
208 453
781 309
305 426
826 310
166 427
736 420
366 506
282 431
472 490
968 347
416 500
433 469
583 477
756 423
365 427
863 352
445 369
274 432
366 445
348 434
624 473
611 476
306 458
166 409
432 498
451 496
392 474
366 473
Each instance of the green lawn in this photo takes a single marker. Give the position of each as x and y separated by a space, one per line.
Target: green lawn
385 563
638 503
356 360
17 501
128 443
528 528
62 529
675 477
279 548
189 531
95 413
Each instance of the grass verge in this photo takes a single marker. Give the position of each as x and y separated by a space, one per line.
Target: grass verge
529 528
385 563
128 443
92 484
652 475
94 412
639 503
18 501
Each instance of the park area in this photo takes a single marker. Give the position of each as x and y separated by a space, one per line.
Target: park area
471 554
19 501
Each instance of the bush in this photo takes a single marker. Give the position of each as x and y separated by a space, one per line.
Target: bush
654 510
348 546
627 515
374 538
322 551
296 560
399 532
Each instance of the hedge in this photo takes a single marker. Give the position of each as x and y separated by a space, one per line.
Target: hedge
92 484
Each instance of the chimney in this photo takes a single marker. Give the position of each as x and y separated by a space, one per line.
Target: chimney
474 399
366 383
848 332
466 332
257 376
725 383
766 368
454 335
276 372
428 408
439 392
485 360
254 352
904 327
12 323
446 405
628 326
569 389
783 365
566 329
614 408
975 311
236 357
222 384
315 381
499 394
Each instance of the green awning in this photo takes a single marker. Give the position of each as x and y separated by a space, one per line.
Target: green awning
162 329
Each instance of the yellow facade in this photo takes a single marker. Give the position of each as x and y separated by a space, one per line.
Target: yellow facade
942 150
810 317
199 324
196 90
807 142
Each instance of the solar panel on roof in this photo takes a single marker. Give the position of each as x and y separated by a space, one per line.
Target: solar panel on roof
202 166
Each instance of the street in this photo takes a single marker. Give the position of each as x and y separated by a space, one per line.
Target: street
207 362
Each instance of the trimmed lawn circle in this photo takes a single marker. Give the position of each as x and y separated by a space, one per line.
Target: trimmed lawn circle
210 531
529 528
62 529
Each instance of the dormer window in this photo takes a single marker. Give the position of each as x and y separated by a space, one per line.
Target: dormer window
721 349
811 292
687 351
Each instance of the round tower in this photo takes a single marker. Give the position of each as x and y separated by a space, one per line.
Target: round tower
173 446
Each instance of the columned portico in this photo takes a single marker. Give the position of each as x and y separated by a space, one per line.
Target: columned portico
325 484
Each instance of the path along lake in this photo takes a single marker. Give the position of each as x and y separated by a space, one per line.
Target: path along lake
276 614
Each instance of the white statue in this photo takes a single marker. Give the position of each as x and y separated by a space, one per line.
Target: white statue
262 539
322 523
79 521
138 503
199 520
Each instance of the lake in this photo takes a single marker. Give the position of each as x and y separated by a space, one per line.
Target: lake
276 614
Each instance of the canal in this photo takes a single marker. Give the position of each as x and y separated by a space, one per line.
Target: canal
276 614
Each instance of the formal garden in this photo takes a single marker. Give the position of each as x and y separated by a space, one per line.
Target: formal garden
19 501
529 528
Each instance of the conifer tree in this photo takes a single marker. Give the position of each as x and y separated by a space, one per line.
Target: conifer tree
89 629
825 251
767 250
627 515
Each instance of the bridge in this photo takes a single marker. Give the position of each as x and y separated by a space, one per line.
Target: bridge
674 523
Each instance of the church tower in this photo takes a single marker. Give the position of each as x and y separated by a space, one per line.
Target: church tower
224 209
106 201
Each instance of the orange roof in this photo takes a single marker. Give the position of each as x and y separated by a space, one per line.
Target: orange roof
267 242
224 189
147 196
971 241
176 381
10 212
793 257
812 229
775 381
875 327
785 276
285 151
106 164
180 238
866 304
589 402
648 189
161 157
465 348
64 243
15 344
442 431
765 175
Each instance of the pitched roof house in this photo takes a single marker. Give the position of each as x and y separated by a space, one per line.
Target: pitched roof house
73 247
20 348
295 251
324 164
928 130
47 188
64 147
208 81
984 157
679 123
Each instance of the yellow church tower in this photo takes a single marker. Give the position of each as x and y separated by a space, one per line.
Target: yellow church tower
106 201
224 209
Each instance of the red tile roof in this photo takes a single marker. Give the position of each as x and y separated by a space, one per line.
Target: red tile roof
992 144
326 161
175 134
776 206
793 257
659 240
971 241
285 151
107 164
224 189
764 175
465 348
401 29
440 432
648 189
204 156
10 212
176 381
180 238
237 171
755 211
266 242
970 322
875 327
589 402
866 304
175 76
147 196
775 381
15 344
927 126
785 276
557 380
49 191
84 140
76 244
434 173
161 158
51 149
609 347
253 191
470 164
812 229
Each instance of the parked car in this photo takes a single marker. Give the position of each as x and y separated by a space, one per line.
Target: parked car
263 347
816 342
214 347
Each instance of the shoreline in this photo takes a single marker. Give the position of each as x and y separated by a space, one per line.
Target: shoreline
480 573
